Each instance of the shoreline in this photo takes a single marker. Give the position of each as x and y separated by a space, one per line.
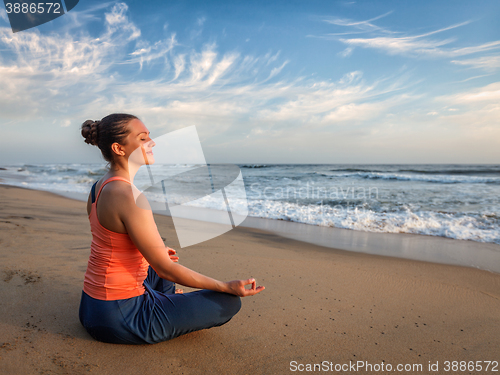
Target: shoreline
427 248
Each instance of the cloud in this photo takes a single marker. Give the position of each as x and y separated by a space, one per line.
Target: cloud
488 63
196 32
277 70
422 45
475 49
200 21
147 52
401 45
222 67
486 94
201 63
347 52
351 77
352 112
117 19
326 104
476 110
3 15
270 59
78 17
364 26
179 65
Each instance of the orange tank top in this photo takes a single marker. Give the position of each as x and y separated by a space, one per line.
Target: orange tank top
116 268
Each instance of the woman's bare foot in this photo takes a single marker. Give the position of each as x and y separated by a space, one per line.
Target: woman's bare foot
179 291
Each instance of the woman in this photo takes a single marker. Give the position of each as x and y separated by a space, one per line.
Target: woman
129 294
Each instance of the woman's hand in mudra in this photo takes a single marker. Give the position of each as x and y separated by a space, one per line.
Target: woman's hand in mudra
171 254
237 287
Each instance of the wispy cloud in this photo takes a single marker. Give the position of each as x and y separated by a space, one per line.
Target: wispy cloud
277 70
78 17
200 21
419 45
201 63
222 67
488 63
179 65
272 58
118 19
489 94
3 15
422 45
364 26
474 113
198 30
401 45
474 77
148 52
347 52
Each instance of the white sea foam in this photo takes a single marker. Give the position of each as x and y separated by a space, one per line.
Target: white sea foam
482 228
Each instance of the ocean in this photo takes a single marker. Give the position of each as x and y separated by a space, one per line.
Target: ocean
453 201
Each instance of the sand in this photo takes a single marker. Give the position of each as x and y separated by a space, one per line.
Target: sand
320 306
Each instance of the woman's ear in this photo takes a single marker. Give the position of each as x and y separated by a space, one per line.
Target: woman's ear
118 149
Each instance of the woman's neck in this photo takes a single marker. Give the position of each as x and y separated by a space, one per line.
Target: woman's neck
124 169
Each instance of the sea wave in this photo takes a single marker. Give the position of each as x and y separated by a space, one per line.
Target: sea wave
432 170
459 171
433 178
475 227
253 166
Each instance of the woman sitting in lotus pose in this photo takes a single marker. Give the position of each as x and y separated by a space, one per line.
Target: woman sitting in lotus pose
129 294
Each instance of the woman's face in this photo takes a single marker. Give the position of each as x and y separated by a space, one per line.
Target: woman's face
138 144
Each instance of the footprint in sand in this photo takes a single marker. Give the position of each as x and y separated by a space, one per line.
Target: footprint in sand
29 277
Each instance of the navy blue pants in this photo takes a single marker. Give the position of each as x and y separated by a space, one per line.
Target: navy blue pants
157 315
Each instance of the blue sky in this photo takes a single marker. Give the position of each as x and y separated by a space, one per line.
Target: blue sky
264 82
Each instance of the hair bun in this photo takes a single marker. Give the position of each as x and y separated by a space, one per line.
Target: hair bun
90 131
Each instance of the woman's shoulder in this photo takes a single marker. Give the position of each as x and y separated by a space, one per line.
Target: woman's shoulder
114 185
121 193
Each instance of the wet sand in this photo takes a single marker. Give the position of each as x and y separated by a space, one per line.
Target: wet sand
320 304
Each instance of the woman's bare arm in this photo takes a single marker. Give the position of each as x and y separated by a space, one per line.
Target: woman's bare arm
142 229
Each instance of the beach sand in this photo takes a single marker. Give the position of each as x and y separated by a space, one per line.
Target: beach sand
320 304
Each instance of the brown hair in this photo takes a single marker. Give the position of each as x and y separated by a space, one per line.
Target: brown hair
112 128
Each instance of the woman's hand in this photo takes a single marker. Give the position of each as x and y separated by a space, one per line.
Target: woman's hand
237 287
171 254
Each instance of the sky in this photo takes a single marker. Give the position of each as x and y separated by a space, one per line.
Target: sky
263 82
